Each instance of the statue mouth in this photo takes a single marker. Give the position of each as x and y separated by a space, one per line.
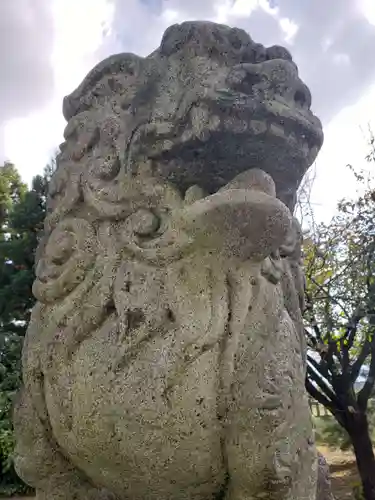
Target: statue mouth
248 118
274 116
228 130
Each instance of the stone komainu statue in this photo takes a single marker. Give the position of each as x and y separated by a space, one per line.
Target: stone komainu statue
164 358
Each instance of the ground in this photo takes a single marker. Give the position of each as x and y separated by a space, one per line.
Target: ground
343 471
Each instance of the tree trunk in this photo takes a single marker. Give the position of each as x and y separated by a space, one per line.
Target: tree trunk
364 453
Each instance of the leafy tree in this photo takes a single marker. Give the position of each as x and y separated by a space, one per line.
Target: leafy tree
340 321
12 190
22 213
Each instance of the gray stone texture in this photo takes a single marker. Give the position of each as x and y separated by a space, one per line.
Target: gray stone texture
165 358
324 490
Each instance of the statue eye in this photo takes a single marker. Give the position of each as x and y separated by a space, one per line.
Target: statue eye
114 74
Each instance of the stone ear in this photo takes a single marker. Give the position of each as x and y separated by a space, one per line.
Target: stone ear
100 82
239 223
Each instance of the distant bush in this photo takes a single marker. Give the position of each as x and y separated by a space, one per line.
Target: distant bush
10 483
358 491
329 432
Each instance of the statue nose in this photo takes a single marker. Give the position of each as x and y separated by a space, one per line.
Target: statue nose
272 79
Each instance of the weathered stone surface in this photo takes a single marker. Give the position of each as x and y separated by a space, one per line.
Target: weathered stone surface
324 490
165 358
208 104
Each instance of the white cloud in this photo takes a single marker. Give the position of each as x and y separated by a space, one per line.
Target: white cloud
345 143
170 15
271 8
289 28
341 59
31 141
26 81
333 53
326 43
79 28
368 8
243 8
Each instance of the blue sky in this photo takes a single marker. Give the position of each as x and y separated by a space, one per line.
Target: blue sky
49 46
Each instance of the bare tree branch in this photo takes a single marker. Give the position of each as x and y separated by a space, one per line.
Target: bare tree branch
322 399
319 367
331 298
310 337
352 326
310 310
365 392
345 355
357 365
327 391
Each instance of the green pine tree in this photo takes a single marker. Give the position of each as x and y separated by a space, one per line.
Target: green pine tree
22 212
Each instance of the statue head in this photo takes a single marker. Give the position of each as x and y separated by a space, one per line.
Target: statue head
205 106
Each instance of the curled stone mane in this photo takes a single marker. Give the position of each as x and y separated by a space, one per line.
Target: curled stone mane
165 355
222 43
